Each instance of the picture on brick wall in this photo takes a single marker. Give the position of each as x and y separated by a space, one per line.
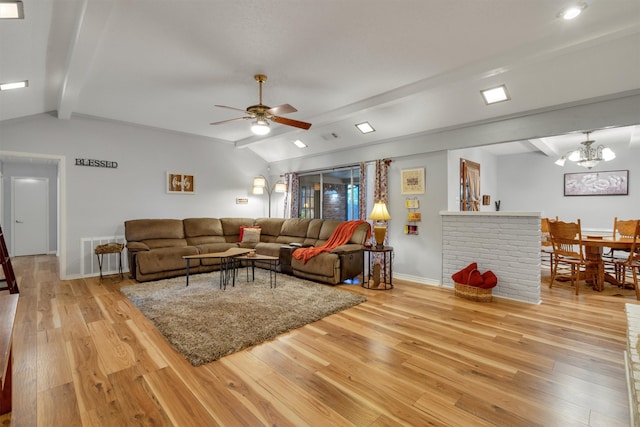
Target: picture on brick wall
178 183
412 181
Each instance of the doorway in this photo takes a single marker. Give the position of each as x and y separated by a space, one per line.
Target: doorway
30 216
469 185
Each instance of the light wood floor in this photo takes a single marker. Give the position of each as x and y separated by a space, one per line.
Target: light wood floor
415 355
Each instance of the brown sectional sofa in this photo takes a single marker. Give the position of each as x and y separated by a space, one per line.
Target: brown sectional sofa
156 246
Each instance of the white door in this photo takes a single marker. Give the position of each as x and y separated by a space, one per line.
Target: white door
30 216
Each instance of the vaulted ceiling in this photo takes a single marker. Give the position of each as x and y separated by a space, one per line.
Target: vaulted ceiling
404 66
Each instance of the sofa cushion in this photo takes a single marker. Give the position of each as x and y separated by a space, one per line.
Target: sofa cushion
271 228
313 232
294 230
323 264
231 227
201 231
164 259
143 229
165 243
213 248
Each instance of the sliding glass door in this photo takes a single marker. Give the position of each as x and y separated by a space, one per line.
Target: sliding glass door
330 194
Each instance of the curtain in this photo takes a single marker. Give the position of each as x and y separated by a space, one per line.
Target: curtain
362 193
381 194
291 196
474 189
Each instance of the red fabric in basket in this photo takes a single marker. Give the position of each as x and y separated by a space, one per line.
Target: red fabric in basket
468 275
489 280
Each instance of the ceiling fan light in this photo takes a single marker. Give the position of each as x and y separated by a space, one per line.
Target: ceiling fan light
260 127
561 161
608 154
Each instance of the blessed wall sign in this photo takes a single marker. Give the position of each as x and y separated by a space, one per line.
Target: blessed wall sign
97 163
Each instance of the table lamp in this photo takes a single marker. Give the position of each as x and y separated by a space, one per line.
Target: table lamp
379 214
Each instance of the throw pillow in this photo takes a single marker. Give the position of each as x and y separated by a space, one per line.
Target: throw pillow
251 235
242 228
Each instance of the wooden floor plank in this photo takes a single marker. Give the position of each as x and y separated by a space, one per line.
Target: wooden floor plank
413 355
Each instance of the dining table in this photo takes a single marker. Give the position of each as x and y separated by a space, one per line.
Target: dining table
593 248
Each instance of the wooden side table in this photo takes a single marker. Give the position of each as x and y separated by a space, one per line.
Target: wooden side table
387 263
110 248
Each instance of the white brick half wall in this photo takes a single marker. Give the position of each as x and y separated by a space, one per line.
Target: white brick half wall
507 243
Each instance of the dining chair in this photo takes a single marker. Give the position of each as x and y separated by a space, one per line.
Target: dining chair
546 247
566 238
632 261
624 229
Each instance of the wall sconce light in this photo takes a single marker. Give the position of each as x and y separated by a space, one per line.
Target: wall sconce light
380 214
261 185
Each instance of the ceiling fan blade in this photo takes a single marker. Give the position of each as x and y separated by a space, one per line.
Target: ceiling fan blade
282 109
291 122
231 108
230 120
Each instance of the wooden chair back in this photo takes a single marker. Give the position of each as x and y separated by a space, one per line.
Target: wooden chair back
624 228
544 231
566 238
634 253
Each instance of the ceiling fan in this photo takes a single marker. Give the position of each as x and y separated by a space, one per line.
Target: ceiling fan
261 114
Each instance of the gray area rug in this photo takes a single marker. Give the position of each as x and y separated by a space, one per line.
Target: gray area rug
205 323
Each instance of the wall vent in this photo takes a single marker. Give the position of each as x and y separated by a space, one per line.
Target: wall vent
89 260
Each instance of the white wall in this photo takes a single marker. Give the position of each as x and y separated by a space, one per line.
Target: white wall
99 200
488 176
532 182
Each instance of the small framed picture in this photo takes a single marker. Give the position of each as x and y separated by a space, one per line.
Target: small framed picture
414 217
412 181
178 183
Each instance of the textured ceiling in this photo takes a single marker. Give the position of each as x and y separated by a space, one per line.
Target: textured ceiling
405 66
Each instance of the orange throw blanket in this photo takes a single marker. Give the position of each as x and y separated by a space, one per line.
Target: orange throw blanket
340 236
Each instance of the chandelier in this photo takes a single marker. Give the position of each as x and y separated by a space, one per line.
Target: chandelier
588 156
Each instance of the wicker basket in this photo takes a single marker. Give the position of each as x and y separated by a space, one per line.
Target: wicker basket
473 293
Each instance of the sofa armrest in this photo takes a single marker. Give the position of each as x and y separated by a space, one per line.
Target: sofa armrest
286 252
349 247
136 247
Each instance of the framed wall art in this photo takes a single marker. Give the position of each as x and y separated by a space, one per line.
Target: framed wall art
178 183
412 181
607 183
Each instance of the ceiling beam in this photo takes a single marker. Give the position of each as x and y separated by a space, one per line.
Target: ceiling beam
91 24
544 147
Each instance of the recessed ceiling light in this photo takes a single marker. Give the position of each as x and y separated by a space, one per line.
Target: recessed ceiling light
495 94
365 127
300 144
11 10
14 85
572 11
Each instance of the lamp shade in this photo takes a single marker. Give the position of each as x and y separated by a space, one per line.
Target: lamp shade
380 212
280 187
259 181
258 190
